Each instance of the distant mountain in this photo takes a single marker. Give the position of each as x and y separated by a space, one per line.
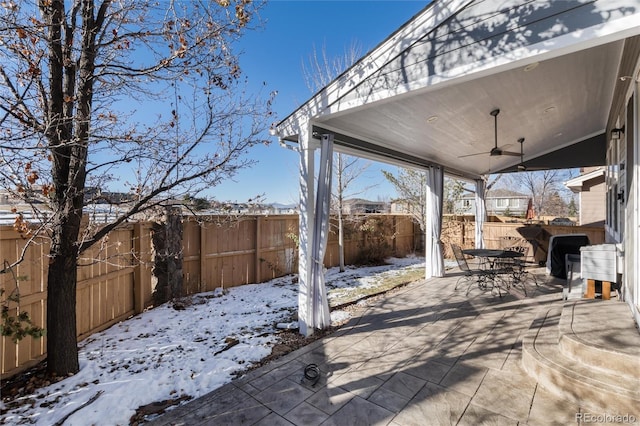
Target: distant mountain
281 206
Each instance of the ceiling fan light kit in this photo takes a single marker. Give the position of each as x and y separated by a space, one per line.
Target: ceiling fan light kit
521 166
495 151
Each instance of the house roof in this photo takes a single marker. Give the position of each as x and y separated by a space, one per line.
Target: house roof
362 201
499 193
576 183
557 70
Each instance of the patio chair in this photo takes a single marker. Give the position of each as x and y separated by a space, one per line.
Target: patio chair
484 277
510 241
517 267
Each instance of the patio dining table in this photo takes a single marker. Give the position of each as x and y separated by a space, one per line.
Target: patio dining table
493 254
486 253
501 263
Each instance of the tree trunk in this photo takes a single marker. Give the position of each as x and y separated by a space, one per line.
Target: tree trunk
62 348
340 170
168 256
341 240
68 138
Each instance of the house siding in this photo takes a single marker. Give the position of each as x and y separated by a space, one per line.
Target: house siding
593 203
516 206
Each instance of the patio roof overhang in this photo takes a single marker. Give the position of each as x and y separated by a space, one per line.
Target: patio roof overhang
559 71
556 70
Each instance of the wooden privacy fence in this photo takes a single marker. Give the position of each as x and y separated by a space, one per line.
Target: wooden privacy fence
254 249
537 235
457 232
115 277
462 233
112 285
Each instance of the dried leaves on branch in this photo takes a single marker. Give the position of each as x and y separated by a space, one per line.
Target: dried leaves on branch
130 105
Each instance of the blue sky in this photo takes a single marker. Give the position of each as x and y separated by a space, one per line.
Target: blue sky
275 54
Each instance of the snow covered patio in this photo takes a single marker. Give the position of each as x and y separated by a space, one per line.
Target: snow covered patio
425 353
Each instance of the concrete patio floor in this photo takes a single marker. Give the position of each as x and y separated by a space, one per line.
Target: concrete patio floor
424 355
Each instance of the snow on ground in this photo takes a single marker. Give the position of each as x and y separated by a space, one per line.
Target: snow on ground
165 353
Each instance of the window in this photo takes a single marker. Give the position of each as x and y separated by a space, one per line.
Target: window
502 203
614 184
466 204
514 202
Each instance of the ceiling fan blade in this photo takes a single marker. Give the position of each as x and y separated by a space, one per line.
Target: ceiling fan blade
515 154
472 155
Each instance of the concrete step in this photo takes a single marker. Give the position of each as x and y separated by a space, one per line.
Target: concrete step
610 392
586 336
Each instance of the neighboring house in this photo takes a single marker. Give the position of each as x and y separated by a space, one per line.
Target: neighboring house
592 192
359 206
502 202
403 207
233 208
277 208
5 197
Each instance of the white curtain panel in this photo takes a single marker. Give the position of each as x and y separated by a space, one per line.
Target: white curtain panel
320 317
307 198
481 212
434 253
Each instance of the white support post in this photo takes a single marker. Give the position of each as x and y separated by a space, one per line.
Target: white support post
428 237
481 213
631 294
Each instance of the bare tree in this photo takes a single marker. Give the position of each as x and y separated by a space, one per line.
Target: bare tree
320 69
347 170
411 186
452 194
493 180
97 92
318 73
543 187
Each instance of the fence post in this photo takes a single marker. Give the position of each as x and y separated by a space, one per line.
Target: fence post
257 276
395 234
463 235
201 254
142 272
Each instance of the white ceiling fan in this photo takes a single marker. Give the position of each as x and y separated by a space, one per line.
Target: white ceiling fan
495 151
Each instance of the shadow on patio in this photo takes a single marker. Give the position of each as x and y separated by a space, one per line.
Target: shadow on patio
425 355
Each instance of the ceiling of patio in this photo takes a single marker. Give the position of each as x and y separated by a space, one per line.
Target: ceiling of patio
553 94
559 102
